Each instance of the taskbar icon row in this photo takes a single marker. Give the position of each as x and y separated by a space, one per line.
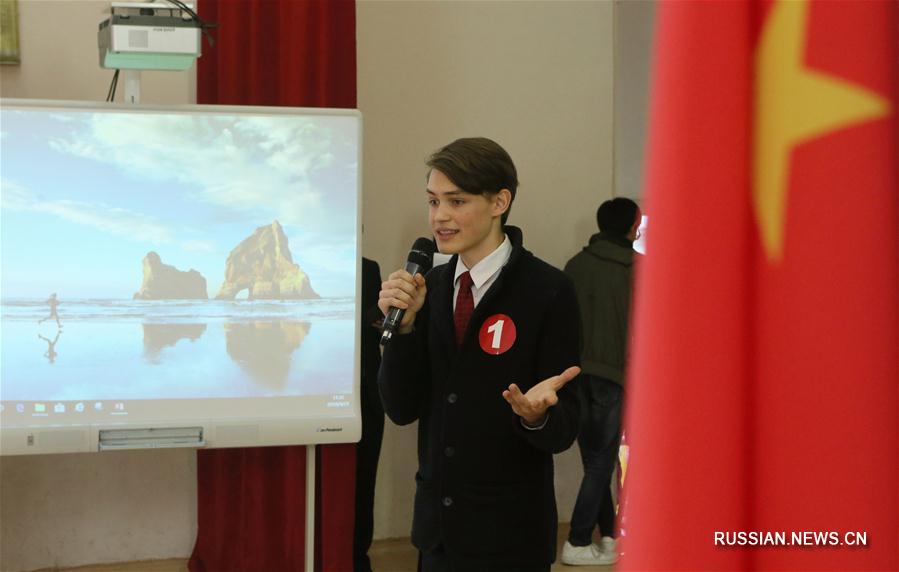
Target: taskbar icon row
42 409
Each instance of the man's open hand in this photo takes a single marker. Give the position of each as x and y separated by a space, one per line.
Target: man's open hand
532 406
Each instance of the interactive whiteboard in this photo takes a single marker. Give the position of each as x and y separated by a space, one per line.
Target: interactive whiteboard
178 276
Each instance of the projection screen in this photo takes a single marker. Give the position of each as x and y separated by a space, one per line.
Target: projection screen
178 276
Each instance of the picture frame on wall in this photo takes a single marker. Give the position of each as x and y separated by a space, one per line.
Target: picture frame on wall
9 32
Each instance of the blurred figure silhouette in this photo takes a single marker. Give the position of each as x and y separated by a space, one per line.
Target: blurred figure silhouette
50 354
368 451
54 303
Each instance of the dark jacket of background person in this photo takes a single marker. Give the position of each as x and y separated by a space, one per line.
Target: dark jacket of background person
485 483
603 274
369 448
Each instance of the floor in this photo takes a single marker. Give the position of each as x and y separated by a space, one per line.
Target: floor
391 555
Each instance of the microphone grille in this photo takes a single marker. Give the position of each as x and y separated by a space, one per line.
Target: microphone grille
425 245
422 253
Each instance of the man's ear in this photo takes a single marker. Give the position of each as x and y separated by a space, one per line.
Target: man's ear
638 220
501 202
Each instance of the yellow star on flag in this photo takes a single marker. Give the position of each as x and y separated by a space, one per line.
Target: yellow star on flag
794 104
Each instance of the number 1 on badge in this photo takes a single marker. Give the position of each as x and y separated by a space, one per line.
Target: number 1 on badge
497 330
497 334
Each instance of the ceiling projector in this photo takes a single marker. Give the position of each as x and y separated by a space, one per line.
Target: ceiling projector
149 36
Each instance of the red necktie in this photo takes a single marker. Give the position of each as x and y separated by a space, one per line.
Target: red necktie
464 307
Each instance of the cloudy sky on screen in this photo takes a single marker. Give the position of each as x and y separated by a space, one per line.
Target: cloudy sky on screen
85 196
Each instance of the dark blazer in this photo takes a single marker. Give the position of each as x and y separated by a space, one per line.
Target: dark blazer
369 448
485 483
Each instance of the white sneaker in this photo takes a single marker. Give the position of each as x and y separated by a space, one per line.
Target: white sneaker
590 555
608 546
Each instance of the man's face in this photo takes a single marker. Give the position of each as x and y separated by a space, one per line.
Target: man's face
462 223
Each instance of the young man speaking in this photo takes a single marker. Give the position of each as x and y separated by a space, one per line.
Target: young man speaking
481 359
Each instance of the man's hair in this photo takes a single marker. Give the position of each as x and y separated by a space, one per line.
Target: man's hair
478 166
617 216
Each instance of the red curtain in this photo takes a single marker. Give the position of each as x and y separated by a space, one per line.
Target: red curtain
251 502
298 53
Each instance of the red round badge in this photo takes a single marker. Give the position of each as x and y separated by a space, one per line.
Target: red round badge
497 334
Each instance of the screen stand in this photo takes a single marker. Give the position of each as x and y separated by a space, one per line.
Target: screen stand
310 508
132 86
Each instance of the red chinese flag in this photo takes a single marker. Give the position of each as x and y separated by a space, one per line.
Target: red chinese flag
764 388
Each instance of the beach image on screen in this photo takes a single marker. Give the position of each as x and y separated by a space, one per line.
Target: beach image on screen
166 255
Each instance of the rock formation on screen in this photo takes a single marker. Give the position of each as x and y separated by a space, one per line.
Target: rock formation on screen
264 349
157 337
262 264
164 282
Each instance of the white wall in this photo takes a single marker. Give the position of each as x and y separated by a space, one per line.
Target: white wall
634 22
536 76
66 510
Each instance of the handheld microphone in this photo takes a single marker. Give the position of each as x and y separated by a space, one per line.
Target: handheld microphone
418 262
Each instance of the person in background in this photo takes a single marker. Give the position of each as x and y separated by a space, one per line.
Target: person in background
368 450
603 277
53 302
481 360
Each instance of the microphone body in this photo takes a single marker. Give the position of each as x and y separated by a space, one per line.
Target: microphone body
418 262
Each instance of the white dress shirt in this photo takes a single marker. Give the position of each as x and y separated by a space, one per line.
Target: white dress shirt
484 273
